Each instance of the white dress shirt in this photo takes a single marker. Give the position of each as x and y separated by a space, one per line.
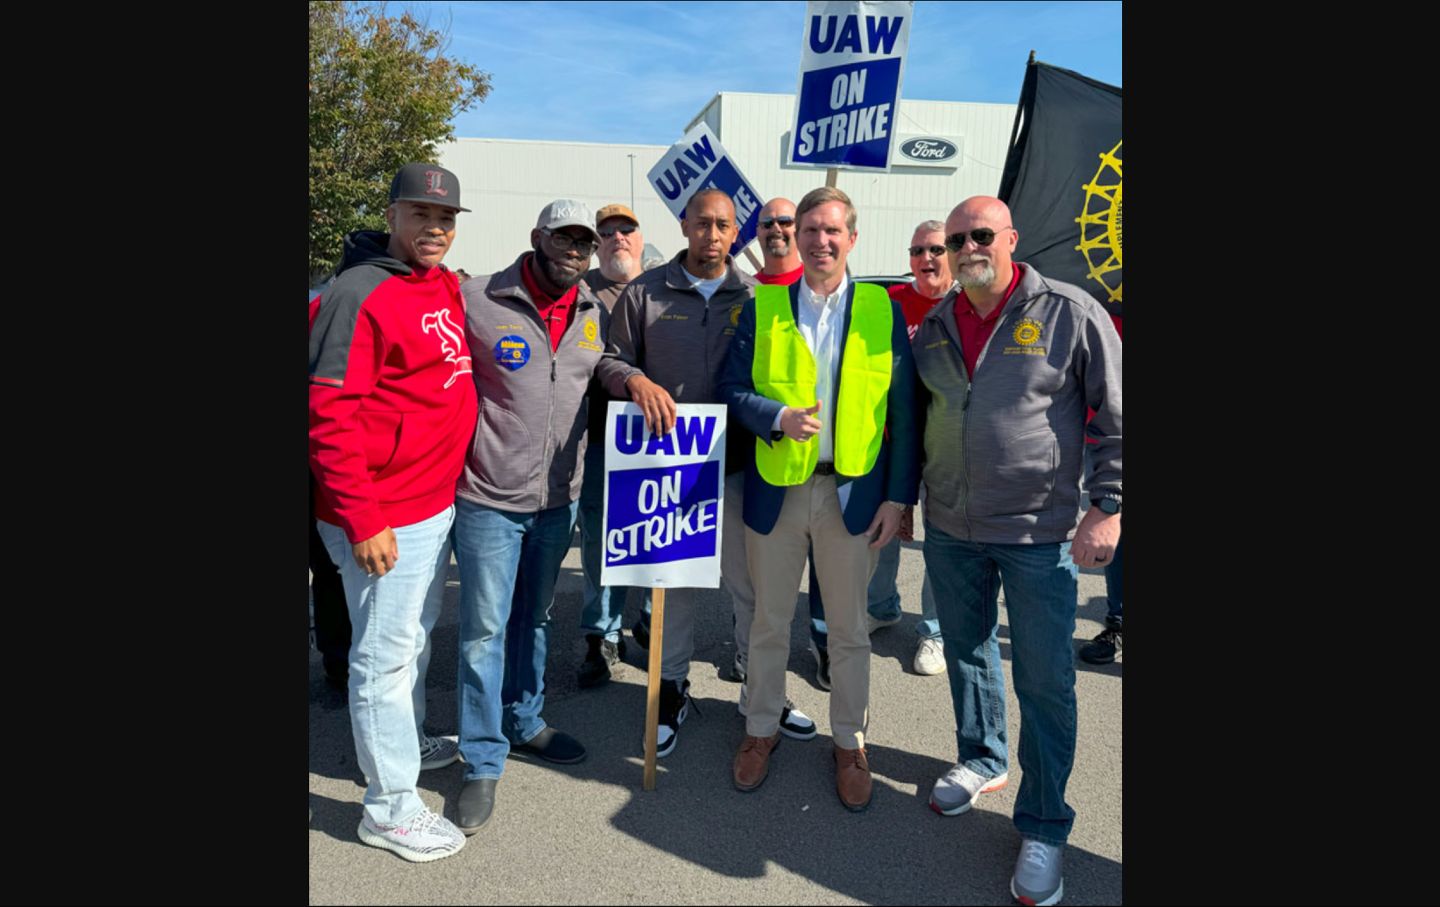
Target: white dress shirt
822 324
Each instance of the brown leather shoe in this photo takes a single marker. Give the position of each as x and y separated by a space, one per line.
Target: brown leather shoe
752 762
852 778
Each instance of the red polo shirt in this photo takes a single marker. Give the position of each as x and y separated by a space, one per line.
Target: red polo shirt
556 313
783 280
914 304
974 330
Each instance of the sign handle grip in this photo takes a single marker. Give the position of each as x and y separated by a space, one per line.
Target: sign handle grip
652 684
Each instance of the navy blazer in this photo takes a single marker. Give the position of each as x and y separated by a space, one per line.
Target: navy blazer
896 474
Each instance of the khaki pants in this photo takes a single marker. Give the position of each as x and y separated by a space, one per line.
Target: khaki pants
843 563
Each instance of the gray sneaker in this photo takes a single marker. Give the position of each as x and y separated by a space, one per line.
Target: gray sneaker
1037 880
424 838
956 790
438 752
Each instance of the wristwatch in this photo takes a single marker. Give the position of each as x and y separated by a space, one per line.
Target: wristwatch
1108 504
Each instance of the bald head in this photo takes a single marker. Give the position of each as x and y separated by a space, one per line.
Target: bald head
982 268
778 238
697 200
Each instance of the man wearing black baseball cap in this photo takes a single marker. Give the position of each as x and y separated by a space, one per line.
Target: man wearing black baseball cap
392 409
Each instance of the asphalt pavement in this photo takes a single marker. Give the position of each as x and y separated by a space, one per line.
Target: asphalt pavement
588 833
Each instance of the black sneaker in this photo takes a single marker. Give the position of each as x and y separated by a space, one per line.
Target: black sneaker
793 722
641 634
602 654
822 665
1102 650
674 709
737 671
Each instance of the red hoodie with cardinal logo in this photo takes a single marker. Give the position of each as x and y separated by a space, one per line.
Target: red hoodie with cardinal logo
392 400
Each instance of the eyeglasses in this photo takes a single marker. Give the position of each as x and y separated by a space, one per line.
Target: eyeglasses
937 251
768 222
564 242
983 236
607 232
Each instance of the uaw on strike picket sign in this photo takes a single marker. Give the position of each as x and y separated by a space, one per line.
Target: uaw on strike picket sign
664 496
852 61
698 161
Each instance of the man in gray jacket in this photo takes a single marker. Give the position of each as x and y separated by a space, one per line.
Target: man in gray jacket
670 333
1010 362
536 333
621 245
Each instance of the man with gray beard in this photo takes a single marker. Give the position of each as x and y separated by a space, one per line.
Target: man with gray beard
621 247
1003 465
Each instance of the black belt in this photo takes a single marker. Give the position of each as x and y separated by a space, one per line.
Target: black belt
824 469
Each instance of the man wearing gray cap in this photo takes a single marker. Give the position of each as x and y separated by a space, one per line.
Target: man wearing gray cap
391 412
537 332
621 245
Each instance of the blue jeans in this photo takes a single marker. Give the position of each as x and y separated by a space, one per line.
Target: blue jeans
391 618
1114 591
604 610
508 566
1040 601
884 595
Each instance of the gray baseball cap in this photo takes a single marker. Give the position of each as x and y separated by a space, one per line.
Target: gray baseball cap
567 212
428 183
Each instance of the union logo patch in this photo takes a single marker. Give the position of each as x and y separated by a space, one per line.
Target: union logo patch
590 331
1027 332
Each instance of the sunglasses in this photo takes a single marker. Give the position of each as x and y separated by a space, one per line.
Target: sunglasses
937 251
767 223
608 232
564 242
983 236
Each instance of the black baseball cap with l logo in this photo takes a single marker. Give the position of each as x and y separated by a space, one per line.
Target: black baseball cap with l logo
429 183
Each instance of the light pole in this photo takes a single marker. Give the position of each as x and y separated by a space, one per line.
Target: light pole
632 181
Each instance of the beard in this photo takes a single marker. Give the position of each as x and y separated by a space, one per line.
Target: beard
556 273
778 247
618 267
972 278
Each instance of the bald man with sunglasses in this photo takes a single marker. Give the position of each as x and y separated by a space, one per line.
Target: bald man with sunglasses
1009 362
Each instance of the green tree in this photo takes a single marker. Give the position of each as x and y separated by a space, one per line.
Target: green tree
383 93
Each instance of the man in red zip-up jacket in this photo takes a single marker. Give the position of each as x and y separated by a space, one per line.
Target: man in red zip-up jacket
392 410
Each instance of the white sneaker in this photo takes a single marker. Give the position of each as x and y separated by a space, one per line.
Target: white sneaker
424 838
438 752
930 657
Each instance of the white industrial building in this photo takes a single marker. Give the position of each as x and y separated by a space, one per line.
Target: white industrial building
506 182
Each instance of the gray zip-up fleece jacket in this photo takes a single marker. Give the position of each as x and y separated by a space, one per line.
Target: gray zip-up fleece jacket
662 328
529 445
1003 453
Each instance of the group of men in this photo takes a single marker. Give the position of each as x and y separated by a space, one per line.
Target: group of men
444 411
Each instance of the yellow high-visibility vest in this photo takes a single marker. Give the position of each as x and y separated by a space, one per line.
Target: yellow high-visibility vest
784 370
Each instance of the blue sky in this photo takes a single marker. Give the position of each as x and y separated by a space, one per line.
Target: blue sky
637 72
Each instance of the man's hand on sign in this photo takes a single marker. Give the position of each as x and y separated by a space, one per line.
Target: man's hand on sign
657 403
800 424
886 522
377 555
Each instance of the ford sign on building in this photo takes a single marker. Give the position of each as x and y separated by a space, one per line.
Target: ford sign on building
928 151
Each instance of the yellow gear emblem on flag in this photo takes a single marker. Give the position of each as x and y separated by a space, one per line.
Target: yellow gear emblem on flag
1100 225
591 331
1027 332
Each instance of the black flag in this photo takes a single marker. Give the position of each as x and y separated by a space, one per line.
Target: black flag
1062 180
